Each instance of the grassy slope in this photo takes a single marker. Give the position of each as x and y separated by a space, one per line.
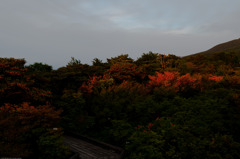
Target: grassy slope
230 46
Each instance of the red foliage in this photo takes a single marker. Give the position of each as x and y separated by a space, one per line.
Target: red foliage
95 81
88 87
215 78
165 80
188 81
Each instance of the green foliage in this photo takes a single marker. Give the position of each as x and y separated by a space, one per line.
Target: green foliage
40 67
51 146
97 62
72 105
197 129
73 62
150 145
147 58
70 78
120 59
120 131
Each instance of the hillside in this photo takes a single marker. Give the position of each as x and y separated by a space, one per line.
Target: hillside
230 46
225 55
233 46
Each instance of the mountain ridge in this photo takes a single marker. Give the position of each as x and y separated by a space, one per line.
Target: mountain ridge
229 46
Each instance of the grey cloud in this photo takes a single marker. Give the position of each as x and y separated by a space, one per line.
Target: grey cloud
53 31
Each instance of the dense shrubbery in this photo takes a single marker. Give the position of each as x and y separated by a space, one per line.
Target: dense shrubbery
155 107
26 117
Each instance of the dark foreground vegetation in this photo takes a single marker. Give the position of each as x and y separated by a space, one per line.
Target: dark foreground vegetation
155 107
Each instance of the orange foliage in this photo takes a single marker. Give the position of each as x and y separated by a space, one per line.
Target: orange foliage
16 84
128 86
17 124
173 81
233 80
21 124
191 65
168 80
125 71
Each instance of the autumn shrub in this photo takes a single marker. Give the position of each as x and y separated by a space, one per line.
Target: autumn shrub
22 125
125 71
25 113
166 80
16 85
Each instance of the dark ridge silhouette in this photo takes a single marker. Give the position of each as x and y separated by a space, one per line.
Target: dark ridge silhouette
233 45
230 46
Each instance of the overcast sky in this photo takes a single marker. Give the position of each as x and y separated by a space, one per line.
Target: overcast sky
53 31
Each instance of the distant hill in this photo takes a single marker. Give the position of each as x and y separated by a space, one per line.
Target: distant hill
230 46
227 54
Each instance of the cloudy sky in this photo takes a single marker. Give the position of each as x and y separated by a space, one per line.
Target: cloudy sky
53 31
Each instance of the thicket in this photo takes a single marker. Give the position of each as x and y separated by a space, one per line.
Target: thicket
155 107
